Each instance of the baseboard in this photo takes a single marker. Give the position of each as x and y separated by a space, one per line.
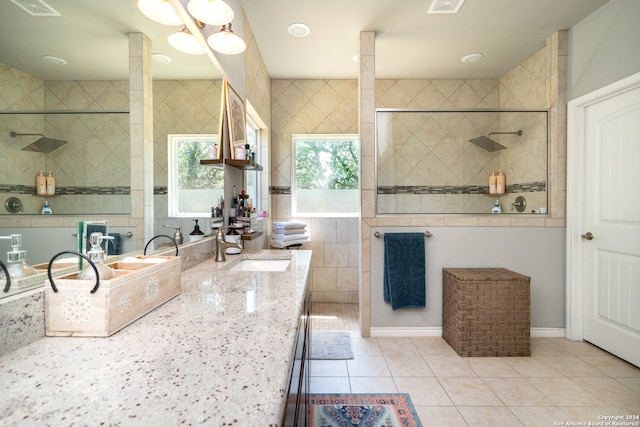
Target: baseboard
406 332
548 332
436 331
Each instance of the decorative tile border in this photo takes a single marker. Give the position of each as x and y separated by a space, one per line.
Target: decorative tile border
77 191
527 187
279 190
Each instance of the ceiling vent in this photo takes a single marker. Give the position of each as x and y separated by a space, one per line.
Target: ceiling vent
36 7
445 6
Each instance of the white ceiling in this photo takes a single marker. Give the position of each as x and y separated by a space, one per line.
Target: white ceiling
92 36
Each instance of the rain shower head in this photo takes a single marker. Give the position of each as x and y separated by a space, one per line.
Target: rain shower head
489 144
41 145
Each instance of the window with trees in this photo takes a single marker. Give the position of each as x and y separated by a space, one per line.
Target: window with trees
325 175
193 188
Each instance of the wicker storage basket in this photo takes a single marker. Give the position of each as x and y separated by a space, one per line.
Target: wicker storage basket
486 311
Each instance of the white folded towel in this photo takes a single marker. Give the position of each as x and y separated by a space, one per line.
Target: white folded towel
287 231
282 238
287 225
277 244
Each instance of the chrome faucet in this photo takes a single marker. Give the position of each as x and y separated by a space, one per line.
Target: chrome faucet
222 245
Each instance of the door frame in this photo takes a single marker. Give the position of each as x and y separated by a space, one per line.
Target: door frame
576 123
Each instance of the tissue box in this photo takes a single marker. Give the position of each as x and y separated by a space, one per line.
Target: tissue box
138 288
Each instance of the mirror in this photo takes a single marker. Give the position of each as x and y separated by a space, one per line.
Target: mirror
92 170
439 162
93 90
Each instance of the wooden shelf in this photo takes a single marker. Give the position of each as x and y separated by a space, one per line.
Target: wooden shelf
251 236
246 165
214 162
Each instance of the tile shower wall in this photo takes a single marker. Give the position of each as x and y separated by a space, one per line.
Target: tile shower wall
427 165
328 107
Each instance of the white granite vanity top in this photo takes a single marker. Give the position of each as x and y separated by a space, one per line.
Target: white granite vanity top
219 354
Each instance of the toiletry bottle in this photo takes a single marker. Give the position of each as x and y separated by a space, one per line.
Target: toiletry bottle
492 183
41 184
500 183
196 234
496 208
46 209
97 255
17 259
51 184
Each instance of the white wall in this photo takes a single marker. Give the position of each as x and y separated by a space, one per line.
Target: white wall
604 47
533 251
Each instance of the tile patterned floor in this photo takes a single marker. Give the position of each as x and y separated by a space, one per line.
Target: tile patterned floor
562 383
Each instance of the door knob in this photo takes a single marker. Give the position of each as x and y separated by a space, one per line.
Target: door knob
588 236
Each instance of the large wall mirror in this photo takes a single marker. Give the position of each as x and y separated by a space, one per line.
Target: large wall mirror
66 98
65 83
440 162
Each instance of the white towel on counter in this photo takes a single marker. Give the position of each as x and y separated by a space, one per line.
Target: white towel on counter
287 225
287 238
288 231
280 244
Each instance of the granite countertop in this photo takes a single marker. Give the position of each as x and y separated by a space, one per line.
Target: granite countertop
220 353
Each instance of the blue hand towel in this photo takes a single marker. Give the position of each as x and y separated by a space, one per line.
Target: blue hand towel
404 270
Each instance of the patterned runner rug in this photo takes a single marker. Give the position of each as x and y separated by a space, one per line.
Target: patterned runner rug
370 410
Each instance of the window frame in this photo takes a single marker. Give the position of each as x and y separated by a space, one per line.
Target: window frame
173 140
295 212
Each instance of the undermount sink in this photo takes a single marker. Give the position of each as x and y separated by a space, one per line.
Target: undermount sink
261 265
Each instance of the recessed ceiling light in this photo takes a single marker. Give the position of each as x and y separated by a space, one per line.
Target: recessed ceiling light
159 58
298 29
472 57
445 6
50 59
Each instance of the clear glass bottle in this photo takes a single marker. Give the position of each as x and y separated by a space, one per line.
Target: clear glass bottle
97 255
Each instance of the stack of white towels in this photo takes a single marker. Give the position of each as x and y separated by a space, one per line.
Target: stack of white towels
288 234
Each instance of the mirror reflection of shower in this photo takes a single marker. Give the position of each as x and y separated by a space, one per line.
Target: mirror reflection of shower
42 144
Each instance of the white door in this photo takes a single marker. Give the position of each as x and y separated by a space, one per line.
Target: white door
611 214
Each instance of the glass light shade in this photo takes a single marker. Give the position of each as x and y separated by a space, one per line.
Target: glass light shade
185 42
213 12
225 41
159 11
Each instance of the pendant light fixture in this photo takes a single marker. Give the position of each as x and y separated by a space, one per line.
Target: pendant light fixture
159 11
186 42
226 41
213 12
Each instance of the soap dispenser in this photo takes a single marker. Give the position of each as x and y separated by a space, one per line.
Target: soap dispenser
97 255
177 236
46 209
196 234
17 259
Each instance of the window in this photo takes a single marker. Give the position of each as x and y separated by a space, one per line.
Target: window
193 188
325 175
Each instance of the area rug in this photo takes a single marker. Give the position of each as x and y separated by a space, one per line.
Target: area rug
362 410
327 345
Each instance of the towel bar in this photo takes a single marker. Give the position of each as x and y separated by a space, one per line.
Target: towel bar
127 235
379 234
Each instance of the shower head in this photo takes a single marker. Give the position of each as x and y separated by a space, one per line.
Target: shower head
41 145
489 144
